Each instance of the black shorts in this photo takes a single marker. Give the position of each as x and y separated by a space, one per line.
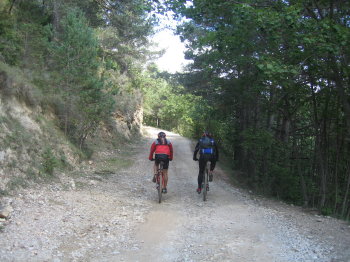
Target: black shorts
207 157
164 158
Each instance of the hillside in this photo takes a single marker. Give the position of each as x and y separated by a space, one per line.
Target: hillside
33 147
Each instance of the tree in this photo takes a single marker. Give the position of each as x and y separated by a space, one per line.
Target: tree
280 70
76 66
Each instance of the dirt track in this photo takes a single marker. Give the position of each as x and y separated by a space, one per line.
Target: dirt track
117 218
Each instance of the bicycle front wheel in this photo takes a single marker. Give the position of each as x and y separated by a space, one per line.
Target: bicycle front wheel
205 184
160 187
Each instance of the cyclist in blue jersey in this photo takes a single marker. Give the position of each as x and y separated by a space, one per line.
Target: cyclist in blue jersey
208 151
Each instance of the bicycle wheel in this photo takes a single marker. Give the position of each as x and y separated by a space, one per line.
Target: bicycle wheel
161 182
160 179
205 182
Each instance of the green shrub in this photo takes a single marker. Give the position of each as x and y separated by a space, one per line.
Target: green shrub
16 182
31 174
326 211
3 192
49 162
11 44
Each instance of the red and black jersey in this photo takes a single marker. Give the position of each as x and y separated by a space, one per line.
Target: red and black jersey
161 148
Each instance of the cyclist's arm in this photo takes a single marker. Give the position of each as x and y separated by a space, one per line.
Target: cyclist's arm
153 148
196 149
216 152
171 151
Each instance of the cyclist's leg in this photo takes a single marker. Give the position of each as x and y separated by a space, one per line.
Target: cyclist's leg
154 173
156 164
165 176
212 166
201 163
165 172
155 170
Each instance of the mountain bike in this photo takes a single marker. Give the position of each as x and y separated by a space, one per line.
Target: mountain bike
160 184
205 183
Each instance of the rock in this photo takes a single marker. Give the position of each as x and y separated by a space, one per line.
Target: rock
72 184
92 182
6 212
2 156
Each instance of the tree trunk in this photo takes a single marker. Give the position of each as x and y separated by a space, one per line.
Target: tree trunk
343 96
302 179
12 4
345 206
56 18
285 130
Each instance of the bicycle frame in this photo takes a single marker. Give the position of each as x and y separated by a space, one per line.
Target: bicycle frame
205 185
160 180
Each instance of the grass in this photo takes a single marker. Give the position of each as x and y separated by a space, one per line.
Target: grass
79 184
17 182
112 165
23 89
121 163
3 193
56 202
12 164
18 136
104 172
31 174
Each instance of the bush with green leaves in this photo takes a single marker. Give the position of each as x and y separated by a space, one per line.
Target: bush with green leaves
85 102
49 162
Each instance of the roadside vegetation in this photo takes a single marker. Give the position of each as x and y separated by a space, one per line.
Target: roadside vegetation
273 82
70 83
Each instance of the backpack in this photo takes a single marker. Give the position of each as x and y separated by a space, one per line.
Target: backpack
206 145
163 141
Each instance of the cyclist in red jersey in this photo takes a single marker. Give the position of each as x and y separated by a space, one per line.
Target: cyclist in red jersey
163 151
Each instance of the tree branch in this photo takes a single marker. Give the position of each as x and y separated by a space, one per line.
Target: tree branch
249 4
318 10
331 9
12 4
311 13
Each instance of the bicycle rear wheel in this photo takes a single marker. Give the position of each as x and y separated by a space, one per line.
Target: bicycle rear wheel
205 182
160 180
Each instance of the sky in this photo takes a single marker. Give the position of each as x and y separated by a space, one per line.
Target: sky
174 59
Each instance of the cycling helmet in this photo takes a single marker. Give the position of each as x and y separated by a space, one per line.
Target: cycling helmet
161 135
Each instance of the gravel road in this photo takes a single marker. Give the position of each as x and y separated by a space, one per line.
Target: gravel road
116 217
